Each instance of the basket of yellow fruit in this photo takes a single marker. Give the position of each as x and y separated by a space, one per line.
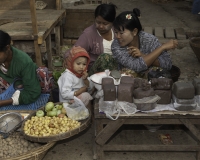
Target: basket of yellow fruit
15 147
50 123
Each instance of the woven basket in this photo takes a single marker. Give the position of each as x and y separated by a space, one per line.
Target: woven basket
195 45
42 100
84 124
37 153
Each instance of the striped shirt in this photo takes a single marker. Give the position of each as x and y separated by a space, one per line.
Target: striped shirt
148 43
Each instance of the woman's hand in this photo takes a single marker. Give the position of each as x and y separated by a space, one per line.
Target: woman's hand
171 44
134 51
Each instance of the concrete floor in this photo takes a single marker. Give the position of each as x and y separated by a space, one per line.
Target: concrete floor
172 14
80 147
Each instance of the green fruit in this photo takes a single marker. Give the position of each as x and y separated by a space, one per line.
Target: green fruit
58 112
54 109
40 113
49 106
52 113
59 107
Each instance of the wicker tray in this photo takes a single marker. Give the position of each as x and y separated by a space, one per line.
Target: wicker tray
37 153
84 124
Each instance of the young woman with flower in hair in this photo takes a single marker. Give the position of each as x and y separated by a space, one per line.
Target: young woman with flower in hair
135 49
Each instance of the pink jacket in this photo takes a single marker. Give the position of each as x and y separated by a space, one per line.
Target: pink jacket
92 42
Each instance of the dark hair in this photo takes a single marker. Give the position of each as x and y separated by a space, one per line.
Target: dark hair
122 22
106 11
5 40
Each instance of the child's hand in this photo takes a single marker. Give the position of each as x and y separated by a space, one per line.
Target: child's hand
85 75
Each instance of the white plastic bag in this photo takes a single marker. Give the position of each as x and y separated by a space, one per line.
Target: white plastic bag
77 110
111 108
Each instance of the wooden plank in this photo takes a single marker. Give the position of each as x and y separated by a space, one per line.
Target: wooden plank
191 127
159 32
198 155
174 148
180 33
98 126
148 30
35 32
28 46
58 4
100 153
61 34
38 57
169 33
57 39
33 17
21 27
108 131
49 52
23 4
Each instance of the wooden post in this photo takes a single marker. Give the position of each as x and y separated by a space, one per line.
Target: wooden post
58 4
57 39
35 32
49 52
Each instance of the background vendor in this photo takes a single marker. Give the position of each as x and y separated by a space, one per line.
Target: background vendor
16 64
97 39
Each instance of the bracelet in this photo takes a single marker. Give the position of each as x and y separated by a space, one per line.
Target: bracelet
75 93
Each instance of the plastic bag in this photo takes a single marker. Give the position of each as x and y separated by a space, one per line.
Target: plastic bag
77 110
126 107
111 108
85 97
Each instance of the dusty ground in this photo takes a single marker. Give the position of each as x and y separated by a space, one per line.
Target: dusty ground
173 14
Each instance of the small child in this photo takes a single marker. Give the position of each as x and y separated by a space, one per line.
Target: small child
74 81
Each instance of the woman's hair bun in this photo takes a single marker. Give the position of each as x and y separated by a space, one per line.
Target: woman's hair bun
136 11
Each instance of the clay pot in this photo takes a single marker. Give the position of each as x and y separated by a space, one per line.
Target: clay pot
195 45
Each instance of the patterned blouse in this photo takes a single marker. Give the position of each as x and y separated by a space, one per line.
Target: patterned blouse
148 43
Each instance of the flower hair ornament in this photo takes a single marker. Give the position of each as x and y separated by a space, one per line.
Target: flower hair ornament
128 16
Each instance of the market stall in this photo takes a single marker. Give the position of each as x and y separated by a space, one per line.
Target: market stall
123 99
106 129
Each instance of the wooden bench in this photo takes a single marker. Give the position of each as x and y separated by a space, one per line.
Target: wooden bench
31 29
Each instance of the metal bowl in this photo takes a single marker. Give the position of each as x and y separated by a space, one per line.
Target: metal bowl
10 121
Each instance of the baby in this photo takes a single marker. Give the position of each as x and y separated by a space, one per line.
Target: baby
74 80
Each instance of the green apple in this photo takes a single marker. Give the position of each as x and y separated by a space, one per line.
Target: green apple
49 106
51 113
58 112
40 113
54 109
59 107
